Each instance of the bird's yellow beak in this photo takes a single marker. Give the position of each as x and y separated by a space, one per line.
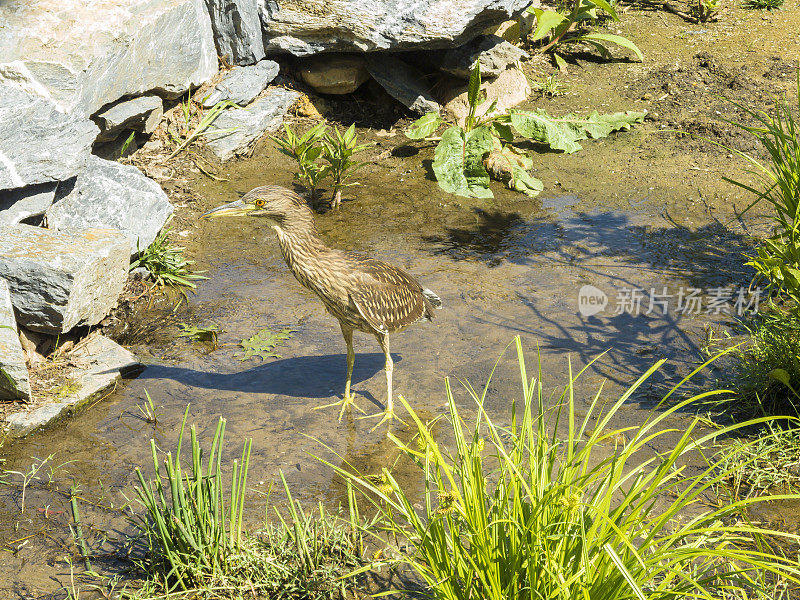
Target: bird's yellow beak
232 209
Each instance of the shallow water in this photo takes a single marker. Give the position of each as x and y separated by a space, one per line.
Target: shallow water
504 267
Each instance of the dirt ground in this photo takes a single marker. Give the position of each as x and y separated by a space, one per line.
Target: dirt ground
642 208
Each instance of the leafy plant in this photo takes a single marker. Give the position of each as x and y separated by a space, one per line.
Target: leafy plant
521 512
199 334
777 260
763 4
565 27
192 531
196 122
466 156
166 263
305 149
263 343
549 86
338 149
706 10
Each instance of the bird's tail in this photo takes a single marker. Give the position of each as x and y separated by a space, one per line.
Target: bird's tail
432 298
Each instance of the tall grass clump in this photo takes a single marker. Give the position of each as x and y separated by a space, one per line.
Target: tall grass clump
521 511
195 545
777 260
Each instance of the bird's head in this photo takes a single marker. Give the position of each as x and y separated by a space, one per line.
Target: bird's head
273 203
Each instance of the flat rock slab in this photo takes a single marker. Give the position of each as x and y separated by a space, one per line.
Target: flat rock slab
38 143
403 82
140 114
493 52
335 74
60 280
14 384
82 55
303 27
237 30
242 84
101 363
23 203
110 195
249 123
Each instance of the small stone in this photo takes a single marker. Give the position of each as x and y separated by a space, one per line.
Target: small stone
494 54
647 97
59 280
242 84
247 124
140 114
110 195
335 74
403 82
304 107
509 89
39 144
14 383
23 203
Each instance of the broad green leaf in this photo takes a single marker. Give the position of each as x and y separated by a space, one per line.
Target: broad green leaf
560 62
564 133
614 39
458 162
524 182
546 21
424 126
503 131
606 6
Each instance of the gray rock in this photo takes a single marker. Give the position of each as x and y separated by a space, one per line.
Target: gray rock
335 73
242 84
59 280
14 384
249 123
140 114
303 27
403 82
22 203
507 90
494 53
38 143
237 30
100 364
109 195
82 55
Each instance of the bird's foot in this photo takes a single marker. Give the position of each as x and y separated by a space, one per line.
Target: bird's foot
346 402
387 416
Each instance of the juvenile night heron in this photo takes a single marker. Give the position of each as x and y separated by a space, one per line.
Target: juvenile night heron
364 294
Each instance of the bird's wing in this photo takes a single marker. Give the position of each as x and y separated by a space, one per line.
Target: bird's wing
387 297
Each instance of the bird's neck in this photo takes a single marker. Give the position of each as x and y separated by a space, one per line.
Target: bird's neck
299 245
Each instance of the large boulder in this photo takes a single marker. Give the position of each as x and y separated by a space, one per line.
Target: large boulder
82 55
109 195
237 128
237 30
303 27
59 280
241 85
335 73
494 54
403 82
24 203
140 114
510 88
38 144
14 384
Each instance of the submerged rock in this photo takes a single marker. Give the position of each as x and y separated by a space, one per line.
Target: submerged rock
38 143
14 383
237 30
493 52
140 114
335 74
98 364
82 55
245 125
59 280
242 84
110 195
303 27
403 82
509 89
24 203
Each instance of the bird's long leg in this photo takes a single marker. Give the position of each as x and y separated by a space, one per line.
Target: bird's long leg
388 413
349 399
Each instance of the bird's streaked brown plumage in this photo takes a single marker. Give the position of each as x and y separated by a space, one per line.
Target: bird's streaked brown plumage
364 294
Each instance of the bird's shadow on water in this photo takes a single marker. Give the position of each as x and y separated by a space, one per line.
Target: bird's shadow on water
296 377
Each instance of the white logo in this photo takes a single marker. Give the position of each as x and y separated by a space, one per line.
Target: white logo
591 300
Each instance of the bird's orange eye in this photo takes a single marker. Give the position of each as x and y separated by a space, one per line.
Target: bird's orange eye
259 203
